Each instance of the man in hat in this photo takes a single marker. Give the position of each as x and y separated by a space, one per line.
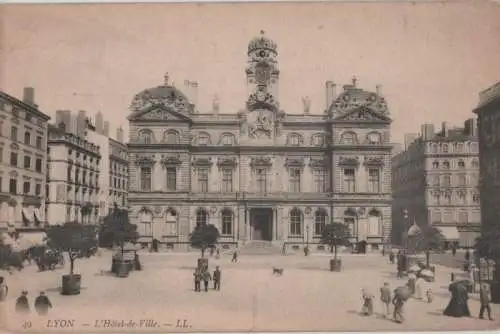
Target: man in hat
385 298
484 296
42 304
22 304
216 277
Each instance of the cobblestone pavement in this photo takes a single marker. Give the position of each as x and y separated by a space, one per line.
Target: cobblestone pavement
307 297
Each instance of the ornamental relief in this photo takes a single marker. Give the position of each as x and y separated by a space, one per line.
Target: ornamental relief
202 162
145 100
349 161
145 159
377 161
170 160
227 162
295 162
260 124
318 162
261 161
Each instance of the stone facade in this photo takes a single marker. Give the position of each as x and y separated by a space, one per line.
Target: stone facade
488 112
23 159
261 173
435 179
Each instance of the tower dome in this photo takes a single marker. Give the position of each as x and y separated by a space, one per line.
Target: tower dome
262 43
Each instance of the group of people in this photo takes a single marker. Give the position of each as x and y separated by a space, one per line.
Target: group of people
202 274
42 303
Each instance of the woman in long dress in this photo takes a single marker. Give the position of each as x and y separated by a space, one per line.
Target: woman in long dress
458 305
367 309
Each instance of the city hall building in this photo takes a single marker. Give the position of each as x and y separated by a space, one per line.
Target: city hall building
262 174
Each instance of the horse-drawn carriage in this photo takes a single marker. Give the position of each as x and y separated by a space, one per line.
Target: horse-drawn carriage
46 257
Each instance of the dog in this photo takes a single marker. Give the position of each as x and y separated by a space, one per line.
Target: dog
278 271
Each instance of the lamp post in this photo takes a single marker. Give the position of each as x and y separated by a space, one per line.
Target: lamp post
405 216
307 236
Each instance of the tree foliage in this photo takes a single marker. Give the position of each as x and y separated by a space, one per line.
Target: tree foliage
203 237
117 229
429 239
74 238
334 235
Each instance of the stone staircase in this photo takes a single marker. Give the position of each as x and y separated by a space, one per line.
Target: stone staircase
259 247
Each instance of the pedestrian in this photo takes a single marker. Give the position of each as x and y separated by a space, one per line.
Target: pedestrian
385 298
419 287
216 277
428 295
458 305
197 280
22 304
42 304
235 257
398 303
484 296
453 250
206 278
217 254
391 257
412 278
367 309
212 251
467 255
4 289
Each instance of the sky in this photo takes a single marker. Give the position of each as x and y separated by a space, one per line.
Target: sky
432 59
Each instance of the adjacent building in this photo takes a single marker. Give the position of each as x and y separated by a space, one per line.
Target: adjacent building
23 158
95 169
488 111
260 174
435 181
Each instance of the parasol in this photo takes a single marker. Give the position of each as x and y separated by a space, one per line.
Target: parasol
426 273
402 292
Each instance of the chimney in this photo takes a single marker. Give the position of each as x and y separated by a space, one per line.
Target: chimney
427 131
409 139
379 90
470 127
329 91
119 134
194 92
81 123
99 122
29 95
444 129
105 129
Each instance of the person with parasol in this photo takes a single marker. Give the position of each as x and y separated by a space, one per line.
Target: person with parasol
367 309
458 305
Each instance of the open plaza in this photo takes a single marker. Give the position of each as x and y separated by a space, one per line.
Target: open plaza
161 297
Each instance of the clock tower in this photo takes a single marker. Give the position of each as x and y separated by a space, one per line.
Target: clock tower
262 68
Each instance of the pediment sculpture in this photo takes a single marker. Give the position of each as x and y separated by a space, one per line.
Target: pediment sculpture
294 162
317 162
159 114
226 162
146 100
145 159
261 161
349 161
374 161
170 161
202 162
260 125
262 99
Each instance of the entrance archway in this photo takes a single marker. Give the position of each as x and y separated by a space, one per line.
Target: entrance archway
261 224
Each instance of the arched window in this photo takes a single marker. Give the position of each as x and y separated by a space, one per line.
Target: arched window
227 139
294 139
227 222
318 140
295 222
201 217
374 218
171 137
203 138
475 164
170 227
349 138
320 218
435 164
350 220
146 136
434 148
146 222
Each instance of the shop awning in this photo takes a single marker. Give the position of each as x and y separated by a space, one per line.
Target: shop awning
38 217
449 232
31 239
468 238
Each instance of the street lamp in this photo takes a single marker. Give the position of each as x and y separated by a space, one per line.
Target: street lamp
307 236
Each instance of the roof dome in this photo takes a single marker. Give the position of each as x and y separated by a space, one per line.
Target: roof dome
165 95
262 42
353 97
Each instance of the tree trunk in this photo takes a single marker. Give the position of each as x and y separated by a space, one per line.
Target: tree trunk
335 255
427 259
202 252
71 264
331 248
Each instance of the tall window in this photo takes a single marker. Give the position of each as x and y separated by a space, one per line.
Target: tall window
294 140
349 180
146 136
38 189
446 180
145 178
435 180
39 142
171 178
319 222
445 148
295 222
27 162
38 165
13 133
295 179
201 217
261 179
462 180
1 154
13 186
146 218
227 222
27 138
435 164
349 221
463 217
446 164
203 180
374 180
447 197
13 159
227 140
318 140
203 139
26 187
172 137
319 175
349 138
461 164
227 180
